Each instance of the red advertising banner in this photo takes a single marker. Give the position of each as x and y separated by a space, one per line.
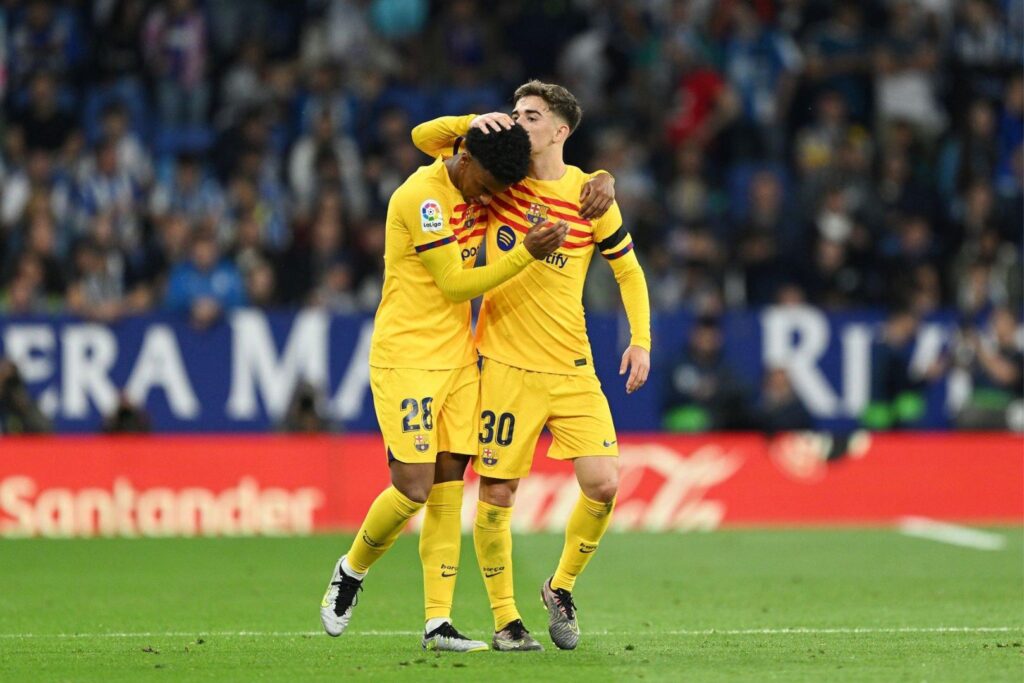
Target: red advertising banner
244 485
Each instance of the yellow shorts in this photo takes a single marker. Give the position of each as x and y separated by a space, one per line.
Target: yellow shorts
515 406
424 412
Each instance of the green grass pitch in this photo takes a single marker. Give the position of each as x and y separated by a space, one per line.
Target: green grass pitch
823 605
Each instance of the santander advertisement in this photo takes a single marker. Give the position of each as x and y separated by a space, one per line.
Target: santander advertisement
285 485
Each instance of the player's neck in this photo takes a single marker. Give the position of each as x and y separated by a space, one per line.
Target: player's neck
548 165
454 172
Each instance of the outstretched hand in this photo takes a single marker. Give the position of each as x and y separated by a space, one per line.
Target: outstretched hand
637 360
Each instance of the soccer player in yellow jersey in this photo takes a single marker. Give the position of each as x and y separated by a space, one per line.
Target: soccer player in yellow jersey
538 369
423 364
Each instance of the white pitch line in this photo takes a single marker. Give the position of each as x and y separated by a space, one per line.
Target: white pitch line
679 632
953 534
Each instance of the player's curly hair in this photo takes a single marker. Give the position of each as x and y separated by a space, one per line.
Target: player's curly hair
505 153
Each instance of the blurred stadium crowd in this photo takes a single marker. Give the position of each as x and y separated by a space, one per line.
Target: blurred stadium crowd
195 155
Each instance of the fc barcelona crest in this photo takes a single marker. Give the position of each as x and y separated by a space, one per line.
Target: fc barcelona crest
489 457
421 444
537 213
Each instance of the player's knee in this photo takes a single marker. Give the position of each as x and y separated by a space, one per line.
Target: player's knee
415 489
415 492
500 492
603 488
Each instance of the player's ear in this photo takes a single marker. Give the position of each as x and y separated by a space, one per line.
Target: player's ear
562 132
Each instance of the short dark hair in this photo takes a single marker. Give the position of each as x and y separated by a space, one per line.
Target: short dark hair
558 99
505 154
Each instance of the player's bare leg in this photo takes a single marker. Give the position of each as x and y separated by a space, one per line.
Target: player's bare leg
492 538
598 477
440 549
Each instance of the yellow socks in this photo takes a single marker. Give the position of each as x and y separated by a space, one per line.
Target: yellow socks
587 524
384 521
492 537
440 545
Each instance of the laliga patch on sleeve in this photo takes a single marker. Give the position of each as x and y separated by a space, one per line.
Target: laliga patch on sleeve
431 219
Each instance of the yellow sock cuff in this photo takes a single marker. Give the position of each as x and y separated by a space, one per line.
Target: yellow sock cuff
404 506
493 517
447 493
595 507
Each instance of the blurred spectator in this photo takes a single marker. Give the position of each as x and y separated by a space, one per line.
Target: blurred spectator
832 282
324 158
40 243
205 285
982 53
905 60
762 65
109 193
634 183
342 35
38 181
247 199
996 365
18 411
117 50
127 418
174 38
132 156
46 39
242 86
25 293
261 285
897 398
97 290
817 144
839 59
703 392
691 198
1011 129
702 103
912 246
320 270
304 412
779 409
191 193
761 242
972 157
45 123
987 272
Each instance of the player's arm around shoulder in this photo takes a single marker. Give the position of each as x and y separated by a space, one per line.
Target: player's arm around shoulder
443 260
437 137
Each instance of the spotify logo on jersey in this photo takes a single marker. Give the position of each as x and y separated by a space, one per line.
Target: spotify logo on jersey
506 238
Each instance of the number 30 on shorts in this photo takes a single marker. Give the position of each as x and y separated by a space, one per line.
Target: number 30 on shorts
499 428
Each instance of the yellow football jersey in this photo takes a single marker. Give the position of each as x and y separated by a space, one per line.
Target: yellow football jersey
536 320
416 326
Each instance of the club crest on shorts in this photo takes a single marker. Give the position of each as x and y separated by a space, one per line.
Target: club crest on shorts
537 213
489 457
421 444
